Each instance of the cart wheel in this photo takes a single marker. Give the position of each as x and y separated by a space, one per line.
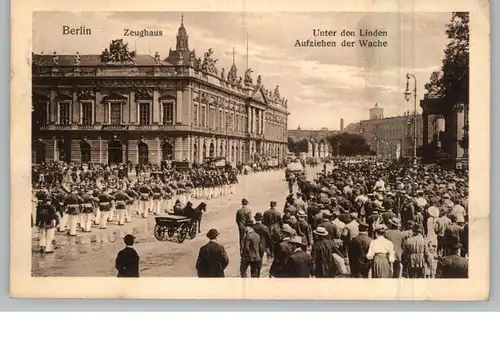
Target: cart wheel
181 237
192 230
159 232
171 232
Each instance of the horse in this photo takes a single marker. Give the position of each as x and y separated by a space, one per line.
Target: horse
195 214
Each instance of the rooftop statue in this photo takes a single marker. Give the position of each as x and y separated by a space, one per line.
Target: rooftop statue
277 95
259 81
77 59
55 59
248 77
118 52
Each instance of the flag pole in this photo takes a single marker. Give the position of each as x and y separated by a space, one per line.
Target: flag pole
247 51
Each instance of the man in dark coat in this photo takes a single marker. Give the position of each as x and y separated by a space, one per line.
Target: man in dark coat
322 265
327 224
127 260
212 258
250 253
298 264
358 248
282 252
264 234
272 219
242 216
453 266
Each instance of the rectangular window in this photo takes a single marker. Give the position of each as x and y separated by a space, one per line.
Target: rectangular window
221 119
144 113
203 118
168 113
195 115
87 113
64 113
115 113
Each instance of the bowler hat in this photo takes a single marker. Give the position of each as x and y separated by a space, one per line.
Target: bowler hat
244 201
212 233
258 216
296 240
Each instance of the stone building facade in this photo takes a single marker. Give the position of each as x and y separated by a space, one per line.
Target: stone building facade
120 107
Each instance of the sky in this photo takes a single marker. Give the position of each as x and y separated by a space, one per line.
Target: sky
322 85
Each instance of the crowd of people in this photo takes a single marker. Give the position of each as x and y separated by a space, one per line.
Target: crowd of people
69 197
362 219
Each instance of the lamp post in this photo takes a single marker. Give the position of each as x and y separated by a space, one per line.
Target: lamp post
408 94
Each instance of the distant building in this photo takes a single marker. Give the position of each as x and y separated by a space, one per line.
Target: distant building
322 133
376 112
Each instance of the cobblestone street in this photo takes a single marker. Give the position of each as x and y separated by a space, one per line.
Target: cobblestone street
79 257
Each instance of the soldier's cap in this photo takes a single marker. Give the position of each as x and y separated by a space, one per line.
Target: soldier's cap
244 201
273 203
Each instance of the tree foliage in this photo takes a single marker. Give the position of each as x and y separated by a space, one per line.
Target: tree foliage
347 144
450 84
300 146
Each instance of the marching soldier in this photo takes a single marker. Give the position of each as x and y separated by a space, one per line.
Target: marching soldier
144 194
168 195
157 198
60 209
233 179
104 208
121 199
46 220
131 192
198 183
225 183
87 210
97 215
72 204
181 190
188 186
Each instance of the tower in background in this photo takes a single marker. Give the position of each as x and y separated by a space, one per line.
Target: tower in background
376 112
342 125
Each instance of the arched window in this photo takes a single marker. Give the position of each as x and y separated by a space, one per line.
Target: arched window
115 152
212 150
167 150
64 150
204 150
143 150
85 152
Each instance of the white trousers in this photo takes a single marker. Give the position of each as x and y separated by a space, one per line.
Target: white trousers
86 221
120 214
128 213
63 221
143 208
73 222
157 206
111 216
46 237
150 206
104 219
97 218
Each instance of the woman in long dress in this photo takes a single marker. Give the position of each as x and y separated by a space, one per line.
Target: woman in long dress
381 251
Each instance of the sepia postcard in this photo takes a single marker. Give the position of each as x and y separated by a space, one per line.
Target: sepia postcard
320 150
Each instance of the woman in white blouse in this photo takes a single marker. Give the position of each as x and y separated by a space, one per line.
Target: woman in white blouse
381 251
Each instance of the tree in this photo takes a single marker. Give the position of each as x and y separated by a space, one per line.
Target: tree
347 144
451 83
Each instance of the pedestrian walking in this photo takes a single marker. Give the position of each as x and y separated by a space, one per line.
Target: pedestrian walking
299 263
243 215
127 260
212 258
251 252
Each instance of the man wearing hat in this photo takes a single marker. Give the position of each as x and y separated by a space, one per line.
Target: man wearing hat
304 228
415 256
212 258
452 265
322 255
264 234
251 252
242 216
327 223
299 263
374 218
357 251
440 228
282 251
299 203
127 260
395 235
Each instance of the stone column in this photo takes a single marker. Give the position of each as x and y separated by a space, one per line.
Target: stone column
263 122
178 149
75 107
178 110
156 107
53 107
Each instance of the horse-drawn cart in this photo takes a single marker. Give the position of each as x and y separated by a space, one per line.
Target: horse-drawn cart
174 225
